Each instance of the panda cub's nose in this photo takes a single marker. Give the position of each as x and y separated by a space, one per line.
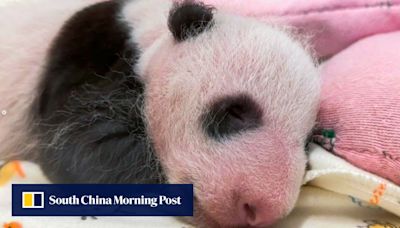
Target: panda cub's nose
231 115
256 213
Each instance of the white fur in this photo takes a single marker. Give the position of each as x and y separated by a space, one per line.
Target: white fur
148 18
236 56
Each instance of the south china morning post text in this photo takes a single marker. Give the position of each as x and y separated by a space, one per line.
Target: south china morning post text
116 200
102 200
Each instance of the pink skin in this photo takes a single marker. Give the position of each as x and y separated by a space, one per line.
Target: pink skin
251 179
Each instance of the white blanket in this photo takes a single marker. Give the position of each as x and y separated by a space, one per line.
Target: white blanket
338 194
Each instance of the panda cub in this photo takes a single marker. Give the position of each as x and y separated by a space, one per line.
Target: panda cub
153 91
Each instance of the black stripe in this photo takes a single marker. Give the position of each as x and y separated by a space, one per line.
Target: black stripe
89 107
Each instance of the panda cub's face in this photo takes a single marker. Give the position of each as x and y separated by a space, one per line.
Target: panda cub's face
220 101
229 110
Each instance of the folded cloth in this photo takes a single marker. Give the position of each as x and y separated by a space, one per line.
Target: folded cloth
360 102
337 194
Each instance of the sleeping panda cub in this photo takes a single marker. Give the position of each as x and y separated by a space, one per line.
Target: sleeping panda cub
150 91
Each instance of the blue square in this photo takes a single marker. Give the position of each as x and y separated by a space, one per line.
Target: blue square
37 202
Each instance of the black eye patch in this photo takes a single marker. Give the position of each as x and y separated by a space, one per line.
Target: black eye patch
231 115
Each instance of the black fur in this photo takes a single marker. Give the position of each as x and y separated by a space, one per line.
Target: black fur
88 114
231 115
189 19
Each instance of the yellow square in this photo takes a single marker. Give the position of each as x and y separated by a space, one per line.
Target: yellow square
28 200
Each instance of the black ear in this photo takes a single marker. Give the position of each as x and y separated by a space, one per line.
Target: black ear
189 18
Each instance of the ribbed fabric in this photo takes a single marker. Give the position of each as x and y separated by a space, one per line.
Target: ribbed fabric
361 102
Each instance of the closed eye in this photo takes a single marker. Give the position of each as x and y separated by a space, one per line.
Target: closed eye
231 115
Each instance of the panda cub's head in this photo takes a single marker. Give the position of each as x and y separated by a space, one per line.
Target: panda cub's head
188 94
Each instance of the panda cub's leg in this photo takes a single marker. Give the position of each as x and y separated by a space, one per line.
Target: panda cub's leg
88 111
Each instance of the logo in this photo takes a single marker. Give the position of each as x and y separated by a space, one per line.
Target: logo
102 199
32 199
